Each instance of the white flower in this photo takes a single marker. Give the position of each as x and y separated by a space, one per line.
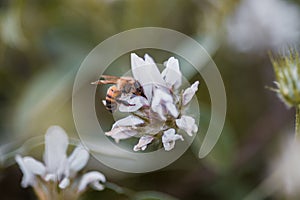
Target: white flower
143 142
189 93
187 124
58 168
287 168
157 116
169 137
264 25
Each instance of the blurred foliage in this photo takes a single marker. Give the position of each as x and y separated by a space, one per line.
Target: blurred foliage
42 44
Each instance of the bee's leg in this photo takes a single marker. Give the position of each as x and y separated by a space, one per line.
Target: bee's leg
99 82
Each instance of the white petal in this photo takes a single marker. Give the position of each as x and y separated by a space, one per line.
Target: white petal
169 137
172 109
187 124
156 104
36 167
64 183
136 61
161 112
50 177
121 133
143 142
128 121
91 178
28 176
56 144
147 73
161 94
97 186
149 59
172 74
78 159
135 104
189 93
163 104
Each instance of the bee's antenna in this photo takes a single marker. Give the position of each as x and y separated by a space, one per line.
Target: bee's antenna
96 82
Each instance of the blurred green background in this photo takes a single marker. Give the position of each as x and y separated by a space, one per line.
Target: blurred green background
42 44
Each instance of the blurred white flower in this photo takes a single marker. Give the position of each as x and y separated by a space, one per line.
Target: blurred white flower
264 25
30 168
59 169
92 179
160 114
287 168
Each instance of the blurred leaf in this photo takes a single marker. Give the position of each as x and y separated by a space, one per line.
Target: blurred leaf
152 195
221 157
11 29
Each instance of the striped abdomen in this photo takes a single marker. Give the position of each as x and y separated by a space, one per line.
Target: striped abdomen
110 99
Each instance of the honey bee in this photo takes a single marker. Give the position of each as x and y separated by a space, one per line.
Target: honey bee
122 85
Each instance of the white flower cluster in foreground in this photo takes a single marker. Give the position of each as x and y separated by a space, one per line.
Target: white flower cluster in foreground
59 173
161 113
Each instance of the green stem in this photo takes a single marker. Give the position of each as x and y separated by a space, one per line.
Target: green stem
297 122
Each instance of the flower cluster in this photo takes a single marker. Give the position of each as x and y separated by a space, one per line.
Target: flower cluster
58 176
160 113
287 71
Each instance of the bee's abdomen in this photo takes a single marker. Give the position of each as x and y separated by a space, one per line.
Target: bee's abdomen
111 104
